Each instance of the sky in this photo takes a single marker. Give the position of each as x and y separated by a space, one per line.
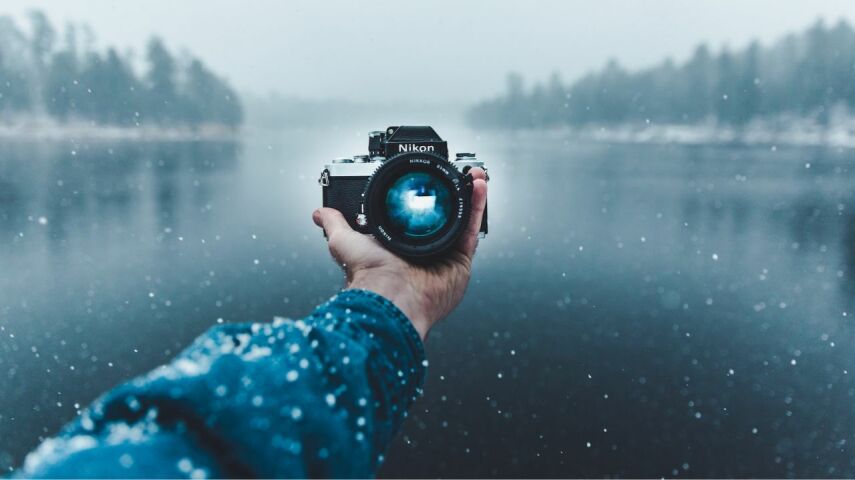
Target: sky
438 51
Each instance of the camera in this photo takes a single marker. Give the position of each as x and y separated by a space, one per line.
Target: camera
405 191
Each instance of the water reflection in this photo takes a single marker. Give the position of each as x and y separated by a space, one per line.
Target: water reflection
75 191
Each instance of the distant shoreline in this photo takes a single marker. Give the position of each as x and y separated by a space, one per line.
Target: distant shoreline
799 132
47 129
794 132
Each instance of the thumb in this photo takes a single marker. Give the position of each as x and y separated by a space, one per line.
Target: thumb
331 220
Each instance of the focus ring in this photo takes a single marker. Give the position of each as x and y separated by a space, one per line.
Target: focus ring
379 224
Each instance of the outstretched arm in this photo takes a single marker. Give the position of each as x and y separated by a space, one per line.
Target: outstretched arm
317 397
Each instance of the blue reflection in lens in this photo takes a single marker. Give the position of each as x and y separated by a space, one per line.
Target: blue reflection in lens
418 204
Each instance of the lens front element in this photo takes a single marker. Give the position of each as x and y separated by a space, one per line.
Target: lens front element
418 204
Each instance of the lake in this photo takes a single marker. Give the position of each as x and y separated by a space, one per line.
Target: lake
636 310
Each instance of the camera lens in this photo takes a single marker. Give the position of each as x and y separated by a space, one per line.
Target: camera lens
418 204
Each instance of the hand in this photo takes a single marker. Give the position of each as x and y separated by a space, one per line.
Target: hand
425 293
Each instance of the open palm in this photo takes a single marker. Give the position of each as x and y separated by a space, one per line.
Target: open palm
426 293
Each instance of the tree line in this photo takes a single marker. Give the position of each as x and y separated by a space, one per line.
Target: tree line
69 79
806 74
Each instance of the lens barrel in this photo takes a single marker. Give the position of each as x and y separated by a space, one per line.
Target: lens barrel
418 204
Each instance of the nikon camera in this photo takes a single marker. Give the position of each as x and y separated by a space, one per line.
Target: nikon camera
406 191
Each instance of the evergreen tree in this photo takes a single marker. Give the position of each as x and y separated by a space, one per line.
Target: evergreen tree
42 38
14 92
161 78
747 93
62 88
206 97
115 91
699 73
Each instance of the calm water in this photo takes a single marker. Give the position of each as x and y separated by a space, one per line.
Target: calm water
635 311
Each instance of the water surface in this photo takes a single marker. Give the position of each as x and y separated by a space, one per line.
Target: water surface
635 311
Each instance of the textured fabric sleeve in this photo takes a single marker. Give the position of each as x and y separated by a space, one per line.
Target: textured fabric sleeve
317 397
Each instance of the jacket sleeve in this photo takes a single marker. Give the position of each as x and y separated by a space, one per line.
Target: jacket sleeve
317 397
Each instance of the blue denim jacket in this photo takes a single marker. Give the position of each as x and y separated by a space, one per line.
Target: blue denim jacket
317 397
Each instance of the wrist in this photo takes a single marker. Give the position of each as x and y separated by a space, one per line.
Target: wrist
401 293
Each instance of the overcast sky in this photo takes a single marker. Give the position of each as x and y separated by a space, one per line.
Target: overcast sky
436 51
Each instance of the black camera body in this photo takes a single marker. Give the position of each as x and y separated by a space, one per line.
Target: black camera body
406 191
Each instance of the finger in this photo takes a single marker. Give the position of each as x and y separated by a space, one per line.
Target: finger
469 240
331 220
478 172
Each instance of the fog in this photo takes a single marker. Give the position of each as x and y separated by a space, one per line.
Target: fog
668 282
438 52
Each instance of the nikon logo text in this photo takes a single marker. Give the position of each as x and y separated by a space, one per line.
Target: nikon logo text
411 147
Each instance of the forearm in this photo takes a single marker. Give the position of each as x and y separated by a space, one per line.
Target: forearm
401 293
422 295
321 396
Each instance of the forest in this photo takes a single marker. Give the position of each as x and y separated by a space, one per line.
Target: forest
62 75
808 74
